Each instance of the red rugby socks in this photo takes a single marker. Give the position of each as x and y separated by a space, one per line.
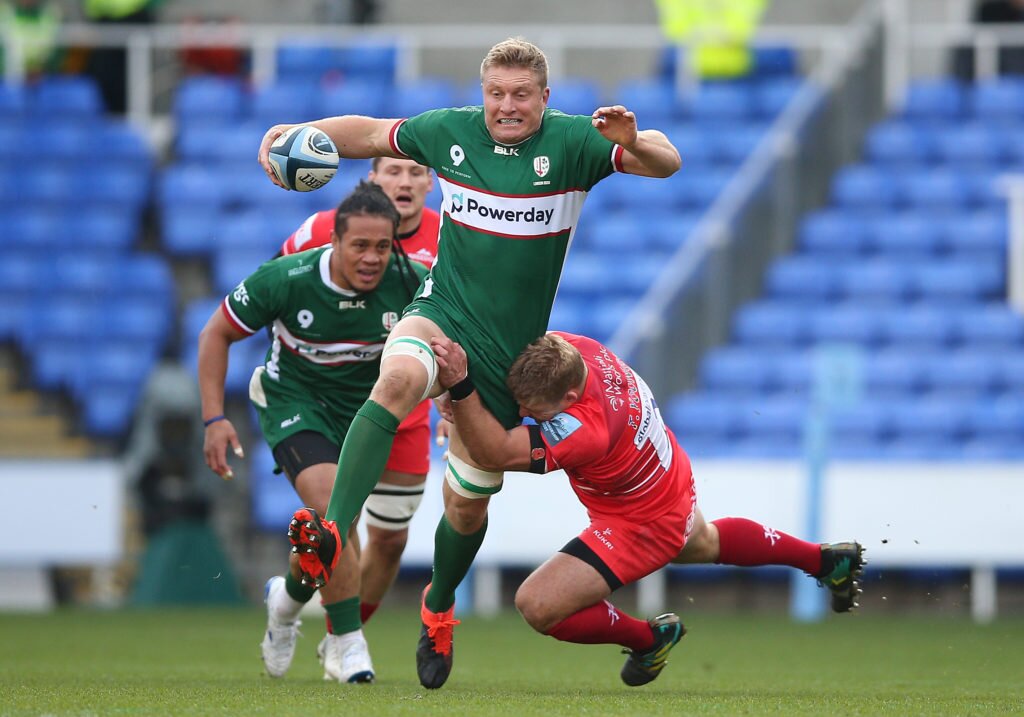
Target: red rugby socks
603 623
744 542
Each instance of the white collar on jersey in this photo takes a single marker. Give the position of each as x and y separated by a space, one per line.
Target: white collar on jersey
325 274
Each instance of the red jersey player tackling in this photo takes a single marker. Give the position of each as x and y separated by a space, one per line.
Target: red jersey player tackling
597 420
389 510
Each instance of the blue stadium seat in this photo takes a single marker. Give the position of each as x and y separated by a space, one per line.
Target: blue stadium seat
771 323
209 99
145 322
934 419
990 326
22 272
283 102
356 97
956 281
864 187
570 314
734 371
779 419
122 185
844 323
70 320
983 188
998 99
934 188
1011 372
653 101
83 275
145 274
981 231
65 96
920 326
121 363
209 144
899 143
772 96
620 232
249 231
833 232
607 315
735 142
230 266
701 414
693 144
13 100
802 277
792 372
122 143
720 102
105 228
575 96
1000 419
863 423
774 62
876 280
668 232
274 501
194 318
373 60
52 186
186 188
969 144
699 191
904 235
303 61
190 230
893 373
429 93
108 409
35 227
66 138
942 99
586 275
961 374
634 274
53 366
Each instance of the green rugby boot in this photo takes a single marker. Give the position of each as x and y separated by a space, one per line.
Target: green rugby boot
842 567
644 667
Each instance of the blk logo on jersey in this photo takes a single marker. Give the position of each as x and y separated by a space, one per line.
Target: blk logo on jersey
541 165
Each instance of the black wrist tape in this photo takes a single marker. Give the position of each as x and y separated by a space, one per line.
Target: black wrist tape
462 389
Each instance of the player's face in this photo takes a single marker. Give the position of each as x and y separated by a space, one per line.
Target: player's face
361 254
406 184
514 103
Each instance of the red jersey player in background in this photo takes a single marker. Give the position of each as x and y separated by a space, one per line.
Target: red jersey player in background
394 501
598 420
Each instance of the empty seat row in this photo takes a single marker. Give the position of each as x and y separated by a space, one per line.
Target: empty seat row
943 100
791 324
52 96
746 370
845 231
869 186
887 280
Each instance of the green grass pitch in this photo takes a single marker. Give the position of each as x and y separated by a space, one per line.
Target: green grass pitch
206 662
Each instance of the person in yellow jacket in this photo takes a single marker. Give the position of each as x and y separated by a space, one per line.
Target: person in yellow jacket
109 64
716 31
34 25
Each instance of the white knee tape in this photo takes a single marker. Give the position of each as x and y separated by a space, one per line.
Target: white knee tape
419 350
470 482
391 507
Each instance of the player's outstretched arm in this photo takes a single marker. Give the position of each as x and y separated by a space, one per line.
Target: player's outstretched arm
648 153
487 441
214 342
355 136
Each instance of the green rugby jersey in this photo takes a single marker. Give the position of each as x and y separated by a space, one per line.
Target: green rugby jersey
508 213
327 340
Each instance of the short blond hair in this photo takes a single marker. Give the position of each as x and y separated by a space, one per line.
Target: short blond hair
517 52
545 371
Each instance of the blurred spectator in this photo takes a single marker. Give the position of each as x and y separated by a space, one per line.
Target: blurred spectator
717 33
1011 59
34 24
109 64
216 60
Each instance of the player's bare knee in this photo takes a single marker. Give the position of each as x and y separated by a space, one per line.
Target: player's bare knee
531 607
388 544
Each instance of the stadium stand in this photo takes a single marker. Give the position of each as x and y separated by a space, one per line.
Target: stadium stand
907 262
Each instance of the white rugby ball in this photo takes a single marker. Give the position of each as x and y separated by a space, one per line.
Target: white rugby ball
304 158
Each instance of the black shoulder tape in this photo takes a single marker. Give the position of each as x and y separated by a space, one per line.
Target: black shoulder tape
538 450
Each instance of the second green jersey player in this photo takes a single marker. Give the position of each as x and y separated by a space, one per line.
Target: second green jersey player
514 176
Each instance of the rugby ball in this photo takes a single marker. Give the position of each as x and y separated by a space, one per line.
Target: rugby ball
304 158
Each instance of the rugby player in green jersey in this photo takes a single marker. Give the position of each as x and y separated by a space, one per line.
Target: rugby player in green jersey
514 175
331 310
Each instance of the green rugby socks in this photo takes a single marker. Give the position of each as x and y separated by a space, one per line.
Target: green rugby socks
453 555
363 457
